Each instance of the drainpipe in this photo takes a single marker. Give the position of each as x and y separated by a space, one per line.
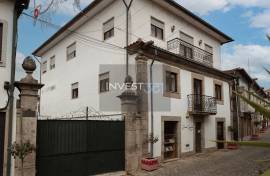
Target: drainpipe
11 88
127 32
237 109
151 104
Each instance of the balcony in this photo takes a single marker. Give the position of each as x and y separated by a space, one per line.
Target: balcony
189 51
202 105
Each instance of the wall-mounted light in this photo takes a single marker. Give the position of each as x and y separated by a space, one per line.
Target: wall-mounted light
173 28
200 42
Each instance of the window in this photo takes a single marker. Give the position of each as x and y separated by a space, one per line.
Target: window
71 51
52 62
108 29
171 81
1 41
75 90
171 85
157 28
218 92
104 82
186 45
44 67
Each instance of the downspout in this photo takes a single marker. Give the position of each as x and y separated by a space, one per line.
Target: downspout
127 33
237 109
151 104
11 88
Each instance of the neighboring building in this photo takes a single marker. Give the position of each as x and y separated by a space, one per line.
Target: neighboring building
87 53
10 10
246 121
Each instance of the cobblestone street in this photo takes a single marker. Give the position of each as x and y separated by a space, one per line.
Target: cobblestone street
241 162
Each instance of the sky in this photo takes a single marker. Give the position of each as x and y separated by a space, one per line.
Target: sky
246 21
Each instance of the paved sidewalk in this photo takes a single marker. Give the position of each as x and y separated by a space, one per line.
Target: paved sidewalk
239 162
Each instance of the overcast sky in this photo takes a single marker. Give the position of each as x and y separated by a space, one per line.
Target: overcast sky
246 21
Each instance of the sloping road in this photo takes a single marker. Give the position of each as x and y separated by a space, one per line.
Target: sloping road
239 162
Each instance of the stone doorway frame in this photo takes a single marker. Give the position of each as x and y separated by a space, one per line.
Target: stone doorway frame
178 132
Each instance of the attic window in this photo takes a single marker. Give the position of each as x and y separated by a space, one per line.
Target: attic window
108 29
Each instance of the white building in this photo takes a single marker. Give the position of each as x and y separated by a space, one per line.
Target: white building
87 53
10 10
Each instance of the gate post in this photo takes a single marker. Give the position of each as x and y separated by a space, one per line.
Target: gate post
132 132
26 122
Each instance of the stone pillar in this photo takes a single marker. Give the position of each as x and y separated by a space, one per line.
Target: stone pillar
143 110
26 122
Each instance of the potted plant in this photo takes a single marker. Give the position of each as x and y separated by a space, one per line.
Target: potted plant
231 145
21 151
150 163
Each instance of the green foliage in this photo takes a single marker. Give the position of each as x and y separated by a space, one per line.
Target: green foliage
152 139
259 108
21 150
267 173
248 143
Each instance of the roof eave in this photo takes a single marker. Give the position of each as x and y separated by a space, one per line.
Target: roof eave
227 38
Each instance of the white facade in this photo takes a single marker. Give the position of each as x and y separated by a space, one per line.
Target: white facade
6 18
94 58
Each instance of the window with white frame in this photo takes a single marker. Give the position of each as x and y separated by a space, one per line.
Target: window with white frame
71 51
157 28
75 90
104 82
52 63
108 29
44 67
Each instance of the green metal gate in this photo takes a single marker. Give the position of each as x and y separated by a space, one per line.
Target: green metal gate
79 147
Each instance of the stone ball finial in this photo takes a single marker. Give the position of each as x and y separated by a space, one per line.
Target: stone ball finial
128 81
29 65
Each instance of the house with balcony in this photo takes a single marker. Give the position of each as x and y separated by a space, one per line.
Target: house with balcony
246 120
10 11
84 63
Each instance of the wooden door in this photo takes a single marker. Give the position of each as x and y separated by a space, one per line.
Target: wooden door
2 140
220 134
198 137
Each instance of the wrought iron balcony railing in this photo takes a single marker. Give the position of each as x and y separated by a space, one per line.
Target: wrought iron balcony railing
190 51
202 104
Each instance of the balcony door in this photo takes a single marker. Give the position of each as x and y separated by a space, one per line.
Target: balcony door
186 45
197 91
